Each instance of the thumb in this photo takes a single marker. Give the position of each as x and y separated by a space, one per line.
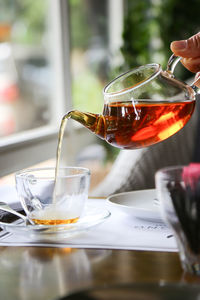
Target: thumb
187 48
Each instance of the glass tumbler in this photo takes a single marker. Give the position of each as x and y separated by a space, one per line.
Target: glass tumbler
178 189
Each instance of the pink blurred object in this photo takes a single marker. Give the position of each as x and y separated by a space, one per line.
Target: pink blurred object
9 90
191 174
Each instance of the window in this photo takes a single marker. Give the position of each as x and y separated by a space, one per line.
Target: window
25 67
56 55
32 47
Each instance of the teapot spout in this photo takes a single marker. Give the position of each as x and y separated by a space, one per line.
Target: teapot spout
94 122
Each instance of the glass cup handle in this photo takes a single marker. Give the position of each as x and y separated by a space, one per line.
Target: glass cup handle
172 62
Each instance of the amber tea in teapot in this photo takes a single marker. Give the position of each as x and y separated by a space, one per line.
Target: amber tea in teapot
131 126
141 107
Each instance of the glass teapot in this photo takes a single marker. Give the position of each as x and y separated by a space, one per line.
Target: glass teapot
141 107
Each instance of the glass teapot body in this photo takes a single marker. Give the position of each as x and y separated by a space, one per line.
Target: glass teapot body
141 107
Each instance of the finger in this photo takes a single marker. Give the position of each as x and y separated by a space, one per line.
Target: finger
187 48
192 64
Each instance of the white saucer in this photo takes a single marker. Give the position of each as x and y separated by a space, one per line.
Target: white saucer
92 217
140 204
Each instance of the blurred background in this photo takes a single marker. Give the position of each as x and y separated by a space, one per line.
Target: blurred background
104 38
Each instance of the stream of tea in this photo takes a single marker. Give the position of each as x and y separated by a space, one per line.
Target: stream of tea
58 152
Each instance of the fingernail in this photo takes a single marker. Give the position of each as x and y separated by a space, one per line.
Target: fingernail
179 45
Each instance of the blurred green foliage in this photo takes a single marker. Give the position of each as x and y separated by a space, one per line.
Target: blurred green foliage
78 22
150 27
87 92
178 20
136 34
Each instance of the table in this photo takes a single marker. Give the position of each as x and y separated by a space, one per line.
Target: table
48 273
29 273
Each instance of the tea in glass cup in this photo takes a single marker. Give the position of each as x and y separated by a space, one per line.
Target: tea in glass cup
50 200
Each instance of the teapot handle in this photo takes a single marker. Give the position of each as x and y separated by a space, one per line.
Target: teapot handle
172 62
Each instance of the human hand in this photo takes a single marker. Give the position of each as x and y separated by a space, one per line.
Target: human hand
190 51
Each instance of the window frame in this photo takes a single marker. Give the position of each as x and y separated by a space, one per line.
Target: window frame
26 148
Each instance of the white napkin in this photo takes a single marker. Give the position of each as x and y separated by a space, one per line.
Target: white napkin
119 231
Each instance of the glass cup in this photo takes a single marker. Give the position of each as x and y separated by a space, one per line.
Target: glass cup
48 202
178 191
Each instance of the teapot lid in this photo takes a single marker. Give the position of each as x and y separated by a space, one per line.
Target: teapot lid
132 80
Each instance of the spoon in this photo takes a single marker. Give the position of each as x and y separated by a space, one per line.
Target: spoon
5 207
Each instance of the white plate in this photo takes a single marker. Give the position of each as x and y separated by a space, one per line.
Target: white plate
92 217
141 204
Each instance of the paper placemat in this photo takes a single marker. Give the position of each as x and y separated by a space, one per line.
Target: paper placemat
120 231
